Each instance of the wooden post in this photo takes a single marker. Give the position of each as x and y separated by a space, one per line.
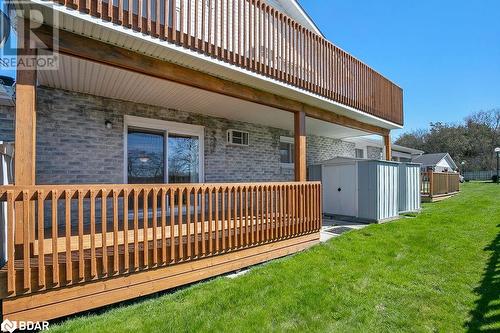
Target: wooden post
25 126
388 149
300 145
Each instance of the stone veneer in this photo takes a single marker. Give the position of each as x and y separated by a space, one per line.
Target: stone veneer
73 145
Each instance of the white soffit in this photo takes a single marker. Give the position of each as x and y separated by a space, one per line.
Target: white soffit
97 79
86 25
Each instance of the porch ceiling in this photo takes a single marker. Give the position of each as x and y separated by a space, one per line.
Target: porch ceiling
93 78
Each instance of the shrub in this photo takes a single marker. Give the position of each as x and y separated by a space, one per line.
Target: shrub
494 178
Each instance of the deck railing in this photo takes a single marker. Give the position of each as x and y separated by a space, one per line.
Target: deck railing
439 183
78 233
255 36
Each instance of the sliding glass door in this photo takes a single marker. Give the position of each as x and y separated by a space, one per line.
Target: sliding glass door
163 152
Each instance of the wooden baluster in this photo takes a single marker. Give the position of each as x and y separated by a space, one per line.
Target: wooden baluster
55 250
131 13
157 17
69 268
263 214
120 11
104 227
181 23
241 216
233 31
257 214
289 210
126 259
179 216
136 228
229 11
244 213
81 262
155 226
202 222
216 29
238 48
203 15
229 219
93 260
196 25
145 227
116 256
268 211
209 23
99 9
216 200
140 26
281 211
188 223
172 225
210 220
188 16
255 30
245 53
163 226
166 17
195 223
223 220
235 217
174 21
11 271
41 237
252 238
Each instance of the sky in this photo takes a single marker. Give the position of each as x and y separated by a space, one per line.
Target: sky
444 54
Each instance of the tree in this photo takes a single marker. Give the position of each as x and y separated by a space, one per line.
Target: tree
471 141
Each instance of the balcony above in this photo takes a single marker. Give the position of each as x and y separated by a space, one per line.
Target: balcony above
274 52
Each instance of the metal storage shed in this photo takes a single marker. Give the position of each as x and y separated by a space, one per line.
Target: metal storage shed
368 190
409 187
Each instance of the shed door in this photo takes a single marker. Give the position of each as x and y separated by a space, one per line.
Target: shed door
339 188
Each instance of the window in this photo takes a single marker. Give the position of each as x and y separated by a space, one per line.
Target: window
286 150
238 138
159 151
360 153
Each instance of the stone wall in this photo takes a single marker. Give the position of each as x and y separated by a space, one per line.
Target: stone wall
74 146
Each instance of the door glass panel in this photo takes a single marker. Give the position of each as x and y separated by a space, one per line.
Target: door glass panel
146 157
183 158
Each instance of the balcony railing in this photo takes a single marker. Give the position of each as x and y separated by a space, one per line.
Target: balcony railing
73 234
255 36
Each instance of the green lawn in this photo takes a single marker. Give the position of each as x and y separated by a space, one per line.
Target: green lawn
439 272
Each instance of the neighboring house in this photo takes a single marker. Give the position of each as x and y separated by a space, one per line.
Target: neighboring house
370 148
438 162
217 106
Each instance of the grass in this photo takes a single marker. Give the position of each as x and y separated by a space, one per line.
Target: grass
438 272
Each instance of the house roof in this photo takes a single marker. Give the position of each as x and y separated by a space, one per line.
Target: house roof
434 159
295 10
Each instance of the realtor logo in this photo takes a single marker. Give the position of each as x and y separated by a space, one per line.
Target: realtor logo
8 326
11 325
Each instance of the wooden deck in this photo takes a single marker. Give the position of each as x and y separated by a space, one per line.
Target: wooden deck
192 232
436 186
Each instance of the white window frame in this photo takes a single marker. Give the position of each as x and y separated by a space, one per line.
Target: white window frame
363 150
287 139
166 127
230 143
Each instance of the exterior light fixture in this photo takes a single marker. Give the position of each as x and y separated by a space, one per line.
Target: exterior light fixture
108 124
